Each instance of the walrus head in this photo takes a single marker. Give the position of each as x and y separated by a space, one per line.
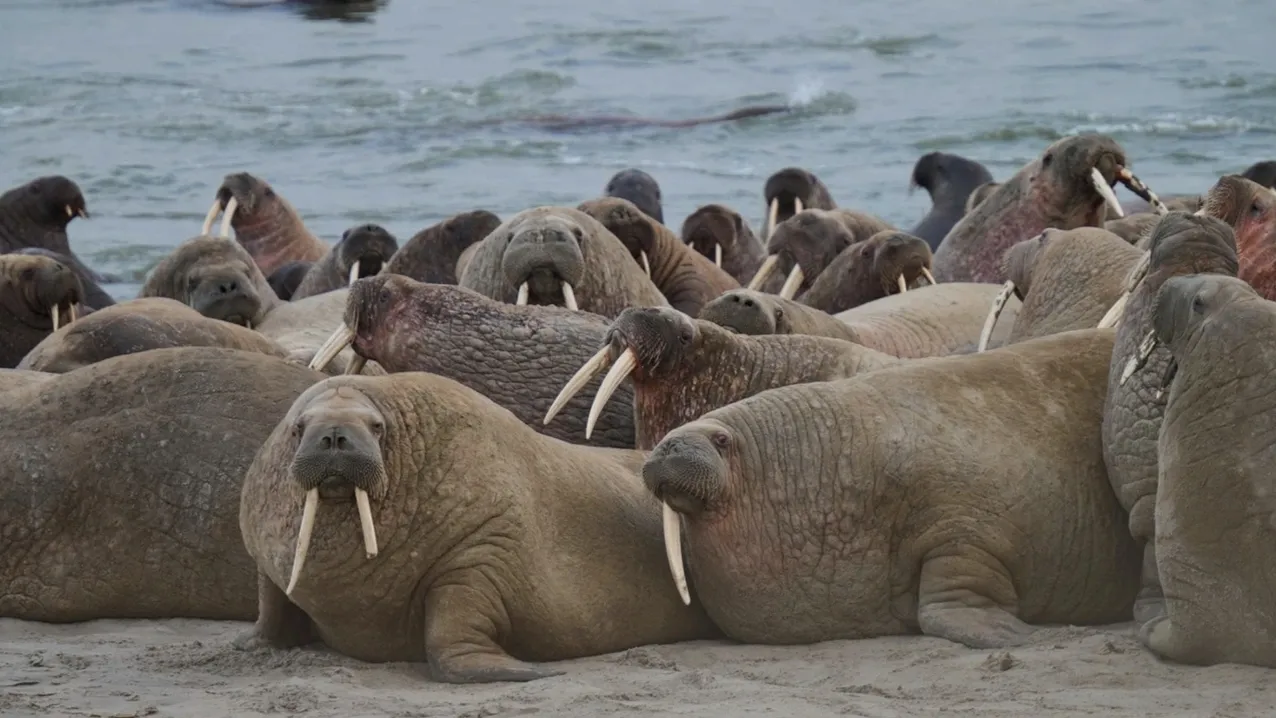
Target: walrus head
809 240
630 225
939 172
720 232
1250 209
639 188
886 263
790 191
337 430
544 261
688 472
1075 175
47 202
38 292
1263 173
244 199
746 311
364 250
431 255
216 277
373 308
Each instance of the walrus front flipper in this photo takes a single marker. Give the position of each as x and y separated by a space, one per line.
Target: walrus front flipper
280 622
948 606
459 643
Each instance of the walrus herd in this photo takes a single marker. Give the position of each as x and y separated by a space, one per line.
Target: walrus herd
511 441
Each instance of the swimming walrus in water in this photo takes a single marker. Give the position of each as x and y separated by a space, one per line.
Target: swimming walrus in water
581 122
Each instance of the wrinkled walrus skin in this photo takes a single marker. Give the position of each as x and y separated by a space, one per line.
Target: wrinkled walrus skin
120 484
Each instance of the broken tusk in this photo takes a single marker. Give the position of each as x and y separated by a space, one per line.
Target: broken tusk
717 254
772 215
583 375
764 271
231 205
1114 312
903 286
303 537
569 297
1140 358
354 272
625 364
365 522
990 322
523 293
1105 191
340 338
792 283
646 266
211 217
1135 185
54 313
673 550
929 277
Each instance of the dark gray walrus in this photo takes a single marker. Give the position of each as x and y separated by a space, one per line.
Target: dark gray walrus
637 187
949 180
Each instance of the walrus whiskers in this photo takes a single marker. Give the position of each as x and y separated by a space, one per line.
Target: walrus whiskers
672 524
990 322
231 205
596 363
303 537
1105 191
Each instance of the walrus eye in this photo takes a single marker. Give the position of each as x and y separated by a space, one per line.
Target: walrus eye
1255 209
378 428
685 337
383 297
721 440
1198 305
299 428
779 313
1045 161
578 233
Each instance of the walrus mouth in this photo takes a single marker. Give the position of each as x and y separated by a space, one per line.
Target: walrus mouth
1133 183
307 529
903 283
76 212
569 294
55 315
230 207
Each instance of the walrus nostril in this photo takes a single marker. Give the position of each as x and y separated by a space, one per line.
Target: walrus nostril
228 287
749 303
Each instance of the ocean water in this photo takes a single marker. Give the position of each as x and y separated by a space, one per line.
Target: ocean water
371 115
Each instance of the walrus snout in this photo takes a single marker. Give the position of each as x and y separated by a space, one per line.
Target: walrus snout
226 296
743 311
545 263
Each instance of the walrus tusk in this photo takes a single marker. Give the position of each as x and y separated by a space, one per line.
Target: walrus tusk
355 365
764 271
1105 191
303 537
792 283
211 217
365 522
771 216
55 317
990 322
1200 213
717 254
903 286
673 551
340 338
797 205
1135 185
569 297
70 212
646 266
1137 272
596 363
72 310
929 277
231 205
1114 312
523 293
625 364
1139 359
354 272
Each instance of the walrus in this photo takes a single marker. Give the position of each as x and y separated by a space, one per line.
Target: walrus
361 252
923 322
1133 227
94 297
1181 244
637 187
288 277
517 356
582 122
681 368
804 244
790 191
949 180
38 296
1066 279
686 278
301 327
721 234
1214 551
120 485
1250 209
1068 186
979 194
216 277
264 223
493 548
885 263
958 497
432 255
558 255
36 214
1262 173
139 325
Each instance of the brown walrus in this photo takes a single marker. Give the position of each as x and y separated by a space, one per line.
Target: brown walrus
35 216
431 256
1250 209
361 252
264 223
885 263
487 548
788 192
216 277
120 485
37 296
721 234
136 326
686 278
804 244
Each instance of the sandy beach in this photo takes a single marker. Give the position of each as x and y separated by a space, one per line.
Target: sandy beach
185 668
